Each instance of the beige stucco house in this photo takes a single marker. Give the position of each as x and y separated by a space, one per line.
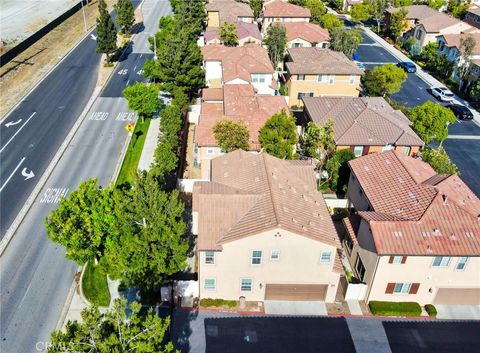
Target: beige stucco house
233 102
219 11
248 64
264 232
318 72
247 33
415 235
364 125
305 34
280 11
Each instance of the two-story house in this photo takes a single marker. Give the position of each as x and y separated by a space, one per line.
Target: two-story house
282 11
247 33
248 64
305 34
317 72
219 11
472 17
234 102
264 232
364 124
449 45
416 234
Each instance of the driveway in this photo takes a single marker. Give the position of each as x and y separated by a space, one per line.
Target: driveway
296 308
459 312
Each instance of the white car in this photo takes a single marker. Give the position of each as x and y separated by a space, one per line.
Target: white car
443 93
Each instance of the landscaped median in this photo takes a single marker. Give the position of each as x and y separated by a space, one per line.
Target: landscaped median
395 308
95 286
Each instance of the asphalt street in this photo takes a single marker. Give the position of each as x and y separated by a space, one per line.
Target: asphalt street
465 152
35 277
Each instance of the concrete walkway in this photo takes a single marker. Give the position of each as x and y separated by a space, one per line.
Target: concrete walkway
147 157
458 312
354 307
302 308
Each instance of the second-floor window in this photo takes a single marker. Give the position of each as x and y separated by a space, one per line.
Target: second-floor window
461 263
304 94
358 151
331 79
210 150
275 255
258 78
301 77
209 257
256 257
297 45
352 79
325 256
441 261
321 78
360 268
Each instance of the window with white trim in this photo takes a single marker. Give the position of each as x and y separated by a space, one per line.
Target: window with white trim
297 45
246 284
256 257
352 80
209 257
402 288
360 268
358 151
210 150
301 77
209 284
397 259
258 78
461 263
275 255
326 256
321 78
331 79
441 261
304 94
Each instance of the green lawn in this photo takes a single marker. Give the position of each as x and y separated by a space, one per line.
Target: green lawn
134 151
94 285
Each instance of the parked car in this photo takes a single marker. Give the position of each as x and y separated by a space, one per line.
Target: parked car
360 65
407 66
443 93
461 111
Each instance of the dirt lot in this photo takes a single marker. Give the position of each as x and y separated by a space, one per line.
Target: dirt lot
22 73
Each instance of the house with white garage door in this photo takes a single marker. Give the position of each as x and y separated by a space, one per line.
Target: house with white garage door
415 234
264 231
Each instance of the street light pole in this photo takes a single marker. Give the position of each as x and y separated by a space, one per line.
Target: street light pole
155 47
84 19
446 126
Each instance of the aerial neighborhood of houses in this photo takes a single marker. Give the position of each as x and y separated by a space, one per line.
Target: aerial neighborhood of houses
267 228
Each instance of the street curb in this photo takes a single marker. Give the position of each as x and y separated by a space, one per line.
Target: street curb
7 115
66 307
121 158
46 174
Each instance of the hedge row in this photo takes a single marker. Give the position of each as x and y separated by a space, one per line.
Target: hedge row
207 302
395 308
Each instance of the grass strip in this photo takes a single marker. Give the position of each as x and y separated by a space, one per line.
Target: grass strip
95 286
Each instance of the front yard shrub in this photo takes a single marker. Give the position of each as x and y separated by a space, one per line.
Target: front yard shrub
206 302
431 310
395 308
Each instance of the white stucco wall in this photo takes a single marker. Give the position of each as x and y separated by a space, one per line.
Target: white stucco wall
213 70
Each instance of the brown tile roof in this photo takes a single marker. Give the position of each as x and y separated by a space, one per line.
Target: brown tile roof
281 8
416 12
438 22
239 103
316 61
239 62
244 30
453 40
253 193
305 30
212 94
229 10
416 212
366 121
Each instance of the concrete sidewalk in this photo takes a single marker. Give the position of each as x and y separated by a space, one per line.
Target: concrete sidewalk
151 141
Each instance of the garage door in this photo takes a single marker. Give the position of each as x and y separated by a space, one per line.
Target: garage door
457 296
295 291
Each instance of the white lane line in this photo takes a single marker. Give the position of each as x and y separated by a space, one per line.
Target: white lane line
15 134
11 175
463 137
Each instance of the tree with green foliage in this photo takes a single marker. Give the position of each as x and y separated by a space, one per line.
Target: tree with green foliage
279 135
297 2
360 12
436 4
438 160
106 32
474 91
431 120
412 46
152 243
276 42
317 9
401 3
84 220
466 48
191 16
319 141
125 14
121 329
329 21
345 41
384 80
338 171
377 10
143 98
256 6
231 135
458 8
398 24
228 34
166 22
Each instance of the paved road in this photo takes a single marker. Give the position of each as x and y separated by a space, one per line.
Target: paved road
464 153
34 275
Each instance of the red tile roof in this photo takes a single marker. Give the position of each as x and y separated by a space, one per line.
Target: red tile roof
244 30
416 211
310 32
229 10
281 8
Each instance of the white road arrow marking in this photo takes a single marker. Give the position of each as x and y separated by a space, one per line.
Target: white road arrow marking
12 123
11 175
15 134
27 175
93 36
